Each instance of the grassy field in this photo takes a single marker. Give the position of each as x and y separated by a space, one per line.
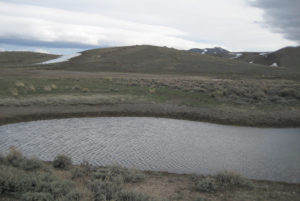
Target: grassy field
191 92
245 102
29 179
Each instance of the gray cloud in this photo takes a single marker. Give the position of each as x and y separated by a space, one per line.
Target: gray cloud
182 24
282 16
37 43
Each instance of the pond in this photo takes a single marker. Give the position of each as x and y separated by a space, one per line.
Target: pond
176 146
62 58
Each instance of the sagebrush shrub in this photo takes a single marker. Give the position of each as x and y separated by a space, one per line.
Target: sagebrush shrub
31 164
104 190
73 196
206 184
133 196
221 181
37 196
61 188
62 162
77 173
14 157
229 179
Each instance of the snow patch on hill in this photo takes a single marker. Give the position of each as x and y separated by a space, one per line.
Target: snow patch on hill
274 64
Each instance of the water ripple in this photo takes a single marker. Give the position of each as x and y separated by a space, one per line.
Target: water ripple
162 144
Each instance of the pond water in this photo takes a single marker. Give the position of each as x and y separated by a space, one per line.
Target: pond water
62 58
177 146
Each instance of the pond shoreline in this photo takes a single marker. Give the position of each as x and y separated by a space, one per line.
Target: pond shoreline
16 114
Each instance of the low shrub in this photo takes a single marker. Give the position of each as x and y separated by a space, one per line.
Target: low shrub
18 179
229 179
77 173
61 188
104 190
133 196
62 162
201 199
2 159
36 196
103 174
118 174
31 164
127 175
206 184
14 157
87 167
116 170
73 196
14 180
221 181
133 176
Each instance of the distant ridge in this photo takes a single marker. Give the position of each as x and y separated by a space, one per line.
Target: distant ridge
288 57
217 51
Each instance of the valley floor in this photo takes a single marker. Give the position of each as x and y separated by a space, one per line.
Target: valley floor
33 94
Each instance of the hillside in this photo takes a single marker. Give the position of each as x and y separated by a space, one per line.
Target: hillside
152 59
288 57
217 51
22 58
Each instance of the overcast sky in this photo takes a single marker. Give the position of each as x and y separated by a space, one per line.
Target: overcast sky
65 26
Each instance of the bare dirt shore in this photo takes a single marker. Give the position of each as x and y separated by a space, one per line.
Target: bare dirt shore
14 114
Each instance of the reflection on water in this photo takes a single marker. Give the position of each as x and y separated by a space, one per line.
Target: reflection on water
162 144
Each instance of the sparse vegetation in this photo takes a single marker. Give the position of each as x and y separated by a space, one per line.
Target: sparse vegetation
133 196
77 173
16 159
118 173
36 196
90 183
201 199
221 181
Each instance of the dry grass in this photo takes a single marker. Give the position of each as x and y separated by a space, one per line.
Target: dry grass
68 100
19 84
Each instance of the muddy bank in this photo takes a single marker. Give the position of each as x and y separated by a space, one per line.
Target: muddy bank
14 114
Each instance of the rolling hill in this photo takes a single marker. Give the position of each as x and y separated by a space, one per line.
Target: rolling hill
22 58
162 60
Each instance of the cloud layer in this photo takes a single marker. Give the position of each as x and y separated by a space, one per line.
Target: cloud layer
40 26
281 16
182 24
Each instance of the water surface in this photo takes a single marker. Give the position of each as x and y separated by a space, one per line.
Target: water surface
162 144
62 58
